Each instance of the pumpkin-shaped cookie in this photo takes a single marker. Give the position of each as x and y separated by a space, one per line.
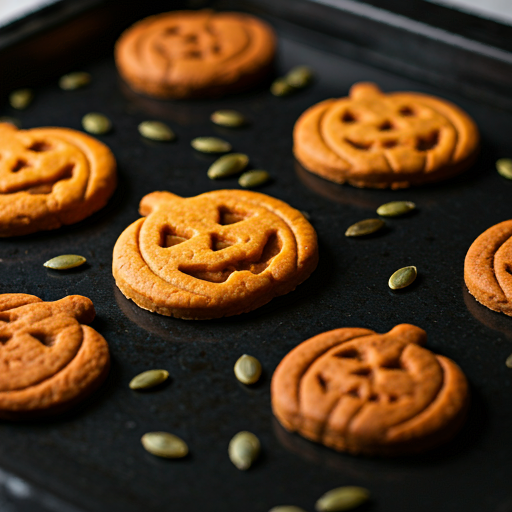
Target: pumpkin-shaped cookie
50 360
51 177
184 54
378 140
488 268
217 254
377 394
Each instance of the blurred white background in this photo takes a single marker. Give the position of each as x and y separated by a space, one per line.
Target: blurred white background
11 10
500 10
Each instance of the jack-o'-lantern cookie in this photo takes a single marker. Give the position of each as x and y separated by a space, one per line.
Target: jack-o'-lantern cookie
185 54
218 254
49 359
366 393
487 268
51 177
380 140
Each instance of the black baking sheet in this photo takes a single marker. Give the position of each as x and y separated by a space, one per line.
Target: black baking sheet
93 459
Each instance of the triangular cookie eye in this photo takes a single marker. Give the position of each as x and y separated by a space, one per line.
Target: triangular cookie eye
429 142
169 237
406 112
230 216
19 165
385 126
40 146
220 242
348 117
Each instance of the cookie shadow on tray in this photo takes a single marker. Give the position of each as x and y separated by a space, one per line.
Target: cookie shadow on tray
189 112
395 467
371 198
491 319
344 194
179 330
96 400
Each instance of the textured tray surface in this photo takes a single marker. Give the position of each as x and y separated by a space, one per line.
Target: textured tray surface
93 457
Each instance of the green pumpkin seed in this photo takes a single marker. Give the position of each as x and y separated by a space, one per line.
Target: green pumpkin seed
286 508
365 227
281 87
229 118
228 165
395 208
255 178
21 98
11 120
149 379
75 80
342 498
306 214
504 167
210 145
299 77
163 444
402 278
247 369
96 123
508 362
155 130
65 261
243 450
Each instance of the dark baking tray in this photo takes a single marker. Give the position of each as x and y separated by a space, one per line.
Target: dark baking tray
92 460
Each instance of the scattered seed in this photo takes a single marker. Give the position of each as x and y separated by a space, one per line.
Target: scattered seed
365 227
508 362
163 444
149 379
342 498
65 261
306 214
75 80
155 130
227 165
395 208
229 118
11 120
402 278
21 98
210 145
96 123
504 167
286 508
255 178
280 87
243 450
247 369
299 76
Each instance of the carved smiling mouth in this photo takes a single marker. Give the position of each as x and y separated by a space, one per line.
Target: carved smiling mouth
271 249
40 186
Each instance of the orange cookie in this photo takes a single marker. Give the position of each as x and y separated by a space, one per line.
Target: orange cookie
377 140
366 393
50 177
488 268
185 54
50 361
217 254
